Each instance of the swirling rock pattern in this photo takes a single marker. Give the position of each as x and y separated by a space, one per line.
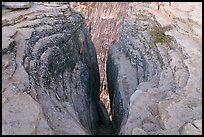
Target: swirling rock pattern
61 66
53 51
151 85
50 76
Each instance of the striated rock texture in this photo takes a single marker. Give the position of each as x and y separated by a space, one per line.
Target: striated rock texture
131 61
47 54
155 88
50 74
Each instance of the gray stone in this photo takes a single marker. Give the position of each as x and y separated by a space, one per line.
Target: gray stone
61 61
198 124
43 127
167 81
163 113
50 77
56 66
138 131
17 5
189 129
19 114
132 61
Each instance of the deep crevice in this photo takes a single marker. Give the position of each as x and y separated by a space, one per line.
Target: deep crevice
64 75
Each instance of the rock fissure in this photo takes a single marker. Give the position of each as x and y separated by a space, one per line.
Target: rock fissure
67 77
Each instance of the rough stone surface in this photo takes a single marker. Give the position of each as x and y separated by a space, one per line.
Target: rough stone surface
132 60
50 74
159 96
192 129
50 63
17 5
138 131
16 119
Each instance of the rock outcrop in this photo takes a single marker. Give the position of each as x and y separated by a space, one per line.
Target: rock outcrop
132 61
50 75
151 84
47 54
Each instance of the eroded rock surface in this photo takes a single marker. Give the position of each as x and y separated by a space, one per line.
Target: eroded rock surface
48 55
151 84
17 5
50 74
22 115
194 128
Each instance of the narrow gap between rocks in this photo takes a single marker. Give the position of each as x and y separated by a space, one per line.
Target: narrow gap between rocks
103 18
105 115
